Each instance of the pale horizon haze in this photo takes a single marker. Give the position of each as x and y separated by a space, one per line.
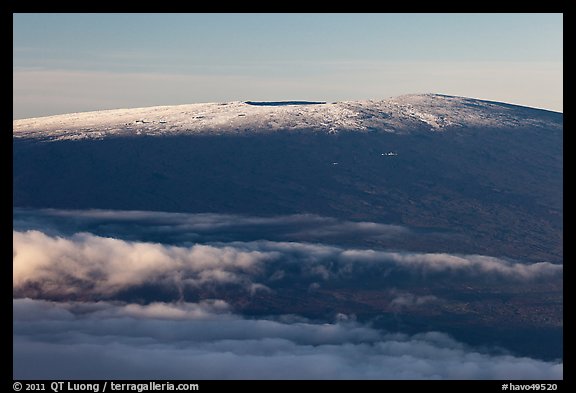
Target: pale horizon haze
65 63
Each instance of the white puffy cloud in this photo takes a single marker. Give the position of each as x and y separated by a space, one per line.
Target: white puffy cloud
88 265
204 341
85 264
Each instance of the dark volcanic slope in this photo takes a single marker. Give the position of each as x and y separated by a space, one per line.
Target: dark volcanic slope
486 177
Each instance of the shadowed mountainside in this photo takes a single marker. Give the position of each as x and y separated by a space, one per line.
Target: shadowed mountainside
494 190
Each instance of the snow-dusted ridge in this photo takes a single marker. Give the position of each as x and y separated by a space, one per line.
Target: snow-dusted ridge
428 112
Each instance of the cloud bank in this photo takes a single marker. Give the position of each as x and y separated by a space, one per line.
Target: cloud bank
178 228
150 295
93 266
206 341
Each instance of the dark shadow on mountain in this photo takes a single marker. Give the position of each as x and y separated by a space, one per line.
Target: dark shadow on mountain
491 192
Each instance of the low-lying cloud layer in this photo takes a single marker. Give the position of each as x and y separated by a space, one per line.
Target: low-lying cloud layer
177 228
92 266
205 341
103 294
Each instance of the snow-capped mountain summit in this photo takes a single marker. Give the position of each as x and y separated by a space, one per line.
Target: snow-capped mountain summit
488 174
404 114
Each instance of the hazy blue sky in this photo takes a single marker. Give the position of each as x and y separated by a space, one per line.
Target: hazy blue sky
78 62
